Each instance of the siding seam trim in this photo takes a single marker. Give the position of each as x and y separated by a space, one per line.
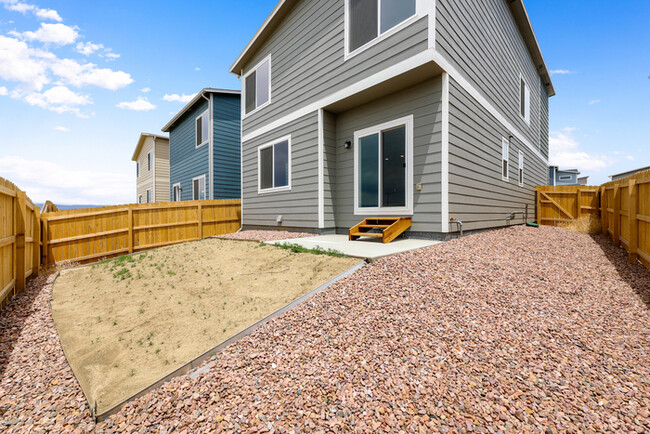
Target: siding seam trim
444 156
211 145
321 175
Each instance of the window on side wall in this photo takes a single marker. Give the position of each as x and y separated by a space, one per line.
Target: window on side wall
565 177
140 198
149 161
137 169
257 86
274 166
524 100
505 151
148 196
198 188
521 169
369 19
202 129
176 193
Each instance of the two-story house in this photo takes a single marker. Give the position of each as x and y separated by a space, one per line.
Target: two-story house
428 109
204 147
557 176
151 158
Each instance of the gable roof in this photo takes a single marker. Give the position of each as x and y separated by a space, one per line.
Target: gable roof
194 100
284 6
143 136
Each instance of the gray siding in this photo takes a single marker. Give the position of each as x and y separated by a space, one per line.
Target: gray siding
543 120
477 194
185 161
307 57
299 206
423 101
481 39
329 167
227 146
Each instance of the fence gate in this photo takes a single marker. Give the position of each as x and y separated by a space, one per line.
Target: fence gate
563 204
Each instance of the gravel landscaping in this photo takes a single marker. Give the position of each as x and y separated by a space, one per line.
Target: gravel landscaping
265 235
514 330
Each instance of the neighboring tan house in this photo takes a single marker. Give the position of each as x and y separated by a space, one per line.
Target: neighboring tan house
434 110
151 157
557 176
583 180
204 143
624 175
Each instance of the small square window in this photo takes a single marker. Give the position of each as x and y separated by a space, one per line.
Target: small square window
274 165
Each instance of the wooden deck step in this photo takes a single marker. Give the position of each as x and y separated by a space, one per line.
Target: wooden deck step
367 234
389 228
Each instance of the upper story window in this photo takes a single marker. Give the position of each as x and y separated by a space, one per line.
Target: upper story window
524 100
202 129
137 169
149 161
257 86
565 177
369 19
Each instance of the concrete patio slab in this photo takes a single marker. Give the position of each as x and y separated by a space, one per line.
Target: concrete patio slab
366 247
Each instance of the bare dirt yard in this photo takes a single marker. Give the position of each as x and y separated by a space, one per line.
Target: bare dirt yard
129 321
516 330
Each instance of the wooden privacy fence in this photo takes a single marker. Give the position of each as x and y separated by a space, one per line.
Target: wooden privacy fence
626 214
93 233
563 204
19 240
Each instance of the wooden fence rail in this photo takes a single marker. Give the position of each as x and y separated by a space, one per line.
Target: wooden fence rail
93 233
19 240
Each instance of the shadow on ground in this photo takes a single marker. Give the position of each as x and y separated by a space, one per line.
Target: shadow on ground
634 274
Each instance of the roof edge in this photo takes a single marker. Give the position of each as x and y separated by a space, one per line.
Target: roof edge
194 100
138 147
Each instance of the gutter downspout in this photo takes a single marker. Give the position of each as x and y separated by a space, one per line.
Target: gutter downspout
210 196
241 154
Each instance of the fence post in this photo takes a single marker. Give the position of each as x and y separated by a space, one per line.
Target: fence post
633 191
36 237
130 240
603 210
45 234
616 236
538 207
200 210
20 205
579 204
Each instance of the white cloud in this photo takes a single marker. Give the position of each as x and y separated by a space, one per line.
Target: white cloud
78 75
145 90
3 91
594 101
565 152
62 185
59 99
197 69
88 48
62 129
561 72
110 56
19 62
630 158
140 104
23 8
58 34
179 98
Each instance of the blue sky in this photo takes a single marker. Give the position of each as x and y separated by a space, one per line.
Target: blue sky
80 80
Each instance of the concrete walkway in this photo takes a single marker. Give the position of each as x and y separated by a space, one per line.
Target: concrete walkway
367 248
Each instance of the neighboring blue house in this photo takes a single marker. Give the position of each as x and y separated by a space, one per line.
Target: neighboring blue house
562 177
205 147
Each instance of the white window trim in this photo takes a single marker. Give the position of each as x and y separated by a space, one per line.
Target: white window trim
178 184
565 177
243 96
206 140
505 142
377 129
149 161
521 178
259 166
205 187
150 195
380 36
137 170
526 116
